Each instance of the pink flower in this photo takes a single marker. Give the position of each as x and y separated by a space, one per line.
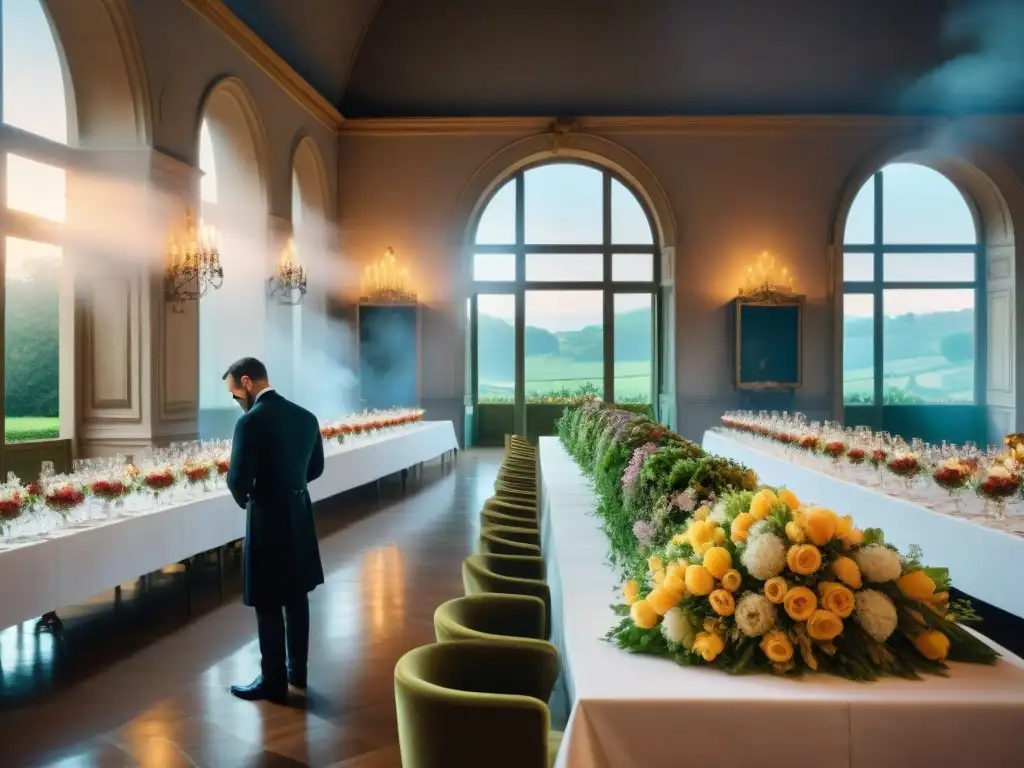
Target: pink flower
636 463
685 501
643 532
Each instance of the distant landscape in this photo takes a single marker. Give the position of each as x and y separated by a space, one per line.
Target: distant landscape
565 364
928 358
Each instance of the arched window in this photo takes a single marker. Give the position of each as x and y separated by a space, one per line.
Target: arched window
563 303
912 301
33 140
233 318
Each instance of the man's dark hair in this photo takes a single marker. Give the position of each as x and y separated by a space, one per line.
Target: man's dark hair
247 366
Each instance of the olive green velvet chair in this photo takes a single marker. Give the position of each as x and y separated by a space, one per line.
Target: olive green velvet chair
509 540
489 516
475 704
511 493
507 575
488 616
524 509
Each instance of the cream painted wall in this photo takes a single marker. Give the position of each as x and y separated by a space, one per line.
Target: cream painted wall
733 193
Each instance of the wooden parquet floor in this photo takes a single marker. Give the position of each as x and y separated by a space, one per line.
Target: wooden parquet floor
142 681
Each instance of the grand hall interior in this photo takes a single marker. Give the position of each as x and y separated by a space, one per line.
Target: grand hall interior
511 383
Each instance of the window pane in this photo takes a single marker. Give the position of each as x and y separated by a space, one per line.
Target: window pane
494 266
928 346
634 333
498 221
633 267
565 267
858 348
563 205
36 188
208 165
929 267
920 205
496 348
564 345
860 221
858 267
629 222
32 341
33 82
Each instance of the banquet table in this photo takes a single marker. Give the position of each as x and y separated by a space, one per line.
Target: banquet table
72 565
637 711
969 549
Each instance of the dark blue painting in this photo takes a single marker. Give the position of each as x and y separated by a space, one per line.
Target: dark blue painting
768 337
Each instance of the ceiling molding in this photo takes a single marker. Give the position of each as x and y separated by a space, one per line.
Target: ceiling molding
276 68
760 125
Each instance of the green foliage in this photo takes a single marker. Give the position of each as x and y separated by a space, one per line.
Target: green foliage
32 348
21 428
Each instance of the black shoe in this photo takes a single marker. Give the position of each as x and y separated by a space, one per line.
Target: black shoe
259 690
297 680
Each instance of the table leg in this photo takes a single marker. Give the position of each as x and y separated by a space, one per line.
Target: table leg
405 477
188 585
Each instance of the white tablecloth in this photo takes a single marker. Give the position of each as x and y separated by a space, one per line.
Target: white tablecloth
73 565
971 551
639 711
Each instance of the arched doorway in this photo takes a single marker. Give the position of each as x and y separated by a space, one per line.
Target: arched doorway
914 307
564 298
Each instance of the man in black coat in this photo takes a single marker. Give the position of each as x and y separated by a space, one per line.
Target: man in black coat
275 452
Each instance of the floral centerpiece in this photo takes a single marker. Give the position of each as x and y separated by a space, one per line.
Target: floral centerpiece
13 499
223 464
197 471
905 465
952 475
108 489
718 572
63 496
856 455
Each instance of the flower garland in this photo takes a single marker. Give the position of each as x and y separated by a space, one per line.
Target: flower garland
721 573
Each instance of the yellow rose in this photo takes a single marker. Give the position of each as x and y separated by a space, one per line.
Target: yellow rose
643 615
722 603
917 585
702 513
674 584
700 532
708 645
662 600
717 560
674 569
933 645
699 581
803 559
741 525
844 525
939 598
777 647
718 538
836 598
795 533
789 498
824 625
659 576
731 580
820 525
847 571
762 503
703 548
799 603
631 590
775 589
654 563
853 539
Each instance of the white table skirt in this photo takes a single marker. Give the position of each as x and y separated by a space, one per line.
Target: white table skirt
73 565
968 549
633 711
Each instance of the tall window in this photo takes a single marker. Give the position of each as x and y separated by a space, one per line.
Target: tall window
33 141
564 284
912 273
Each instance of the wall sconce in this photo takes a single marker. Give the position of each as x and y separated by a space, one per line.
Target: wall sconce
387 282
289 284
767 280
193 264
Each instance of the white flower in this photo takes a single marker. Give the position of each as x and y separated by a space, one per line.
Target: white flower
758 529
875 613
718 512
764 556
755 615
877 563
677 628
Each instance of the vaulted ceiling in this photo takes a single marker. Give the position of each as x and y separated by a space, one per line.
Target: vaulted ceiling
628 57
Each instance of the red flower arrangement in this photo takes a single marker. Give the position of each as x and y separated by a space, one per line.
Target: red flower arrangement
35 490
835 449
108 490
222 466
64 498
856 455
809 443
906 465
952 476
159 480
11 506
197 472
878 457
999 484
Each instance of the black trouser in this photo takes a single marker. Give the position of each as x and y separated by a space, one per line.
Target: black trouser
271 623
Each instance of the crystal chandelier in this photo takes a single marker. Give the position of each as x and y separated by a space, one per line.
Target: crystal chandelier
288 286
193 264
386 282
764 281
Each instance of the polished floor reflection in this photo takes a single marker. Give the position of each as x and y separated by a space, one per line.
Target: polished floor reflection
140 678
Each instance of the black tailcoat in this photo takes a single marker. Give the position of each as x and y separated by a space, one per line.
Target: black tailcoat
276 451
